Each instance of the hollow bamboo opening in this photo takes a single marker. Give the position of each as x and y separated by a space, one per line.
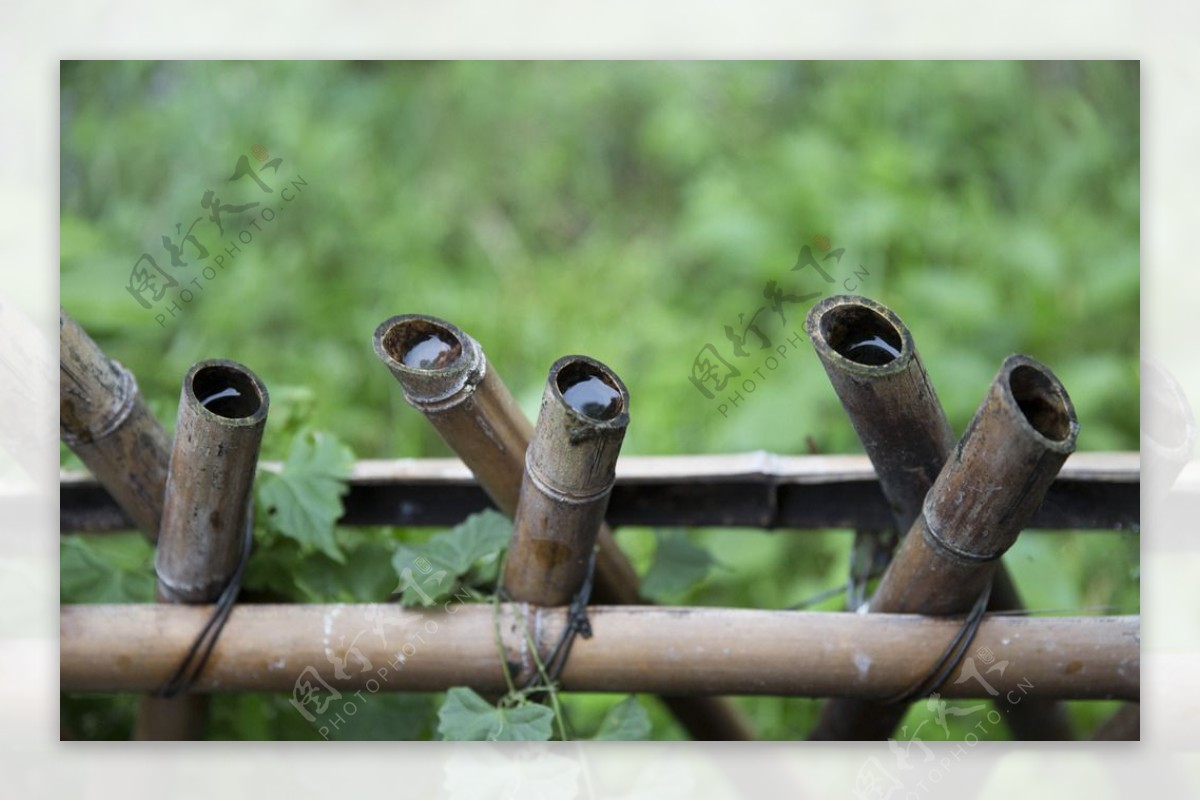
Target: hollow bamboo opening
227 392
590 389
422 344
862 335
1042 401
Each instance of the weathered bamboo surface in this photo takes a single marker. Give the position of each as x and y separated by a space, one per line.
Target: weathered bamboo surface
873 364
210 480
679 651
105 421
569 472
1094 490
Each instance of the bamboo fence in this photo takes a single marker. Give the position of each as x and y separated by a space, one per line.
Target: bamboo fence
565 486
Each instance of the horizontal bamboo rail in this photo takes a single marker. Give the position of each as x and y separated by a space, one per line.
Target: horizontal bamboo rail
756 490
676 651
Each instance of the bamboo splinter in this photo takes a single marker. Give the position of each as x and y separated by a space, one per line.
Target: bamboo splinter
984 495
218 431
445 375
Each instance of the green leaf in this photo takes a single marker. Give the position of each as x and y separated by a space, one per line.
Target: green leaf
365 577
627 720
430 571
115 569
466 716
678 565
304 500
388 716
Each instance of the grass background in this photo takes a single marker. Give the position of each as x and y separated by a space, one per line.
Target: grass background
628 211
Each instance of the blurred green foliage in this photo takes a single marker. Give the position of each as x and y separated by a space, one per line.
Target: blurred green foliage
629 211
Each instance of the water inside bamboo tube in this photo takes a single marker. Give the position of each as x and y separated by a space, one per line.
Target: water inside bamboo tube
874 352
223 402
431 353
594 398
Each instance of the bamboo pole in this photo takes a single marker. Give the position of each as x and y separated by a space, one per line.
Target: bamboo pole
872 361
445 375
218 431
103 419
982 498
222 415
570 468
271 648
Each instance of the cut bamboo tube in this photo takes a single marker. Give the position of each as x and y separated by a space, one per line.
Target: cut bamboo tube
462 396
445 375
984 495
273 648
103 419
872 361
570 468
218 431
222 414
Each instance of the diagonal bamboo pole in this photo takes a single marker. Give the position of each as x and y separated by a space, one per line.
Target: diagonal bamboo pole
103 419
218 431
445 375
982 498
872 362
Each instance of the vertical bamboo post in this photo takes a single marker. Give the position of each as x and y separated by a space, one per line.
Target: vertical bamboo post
872 362
570 468
218 431
103 419
985 494
445 376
